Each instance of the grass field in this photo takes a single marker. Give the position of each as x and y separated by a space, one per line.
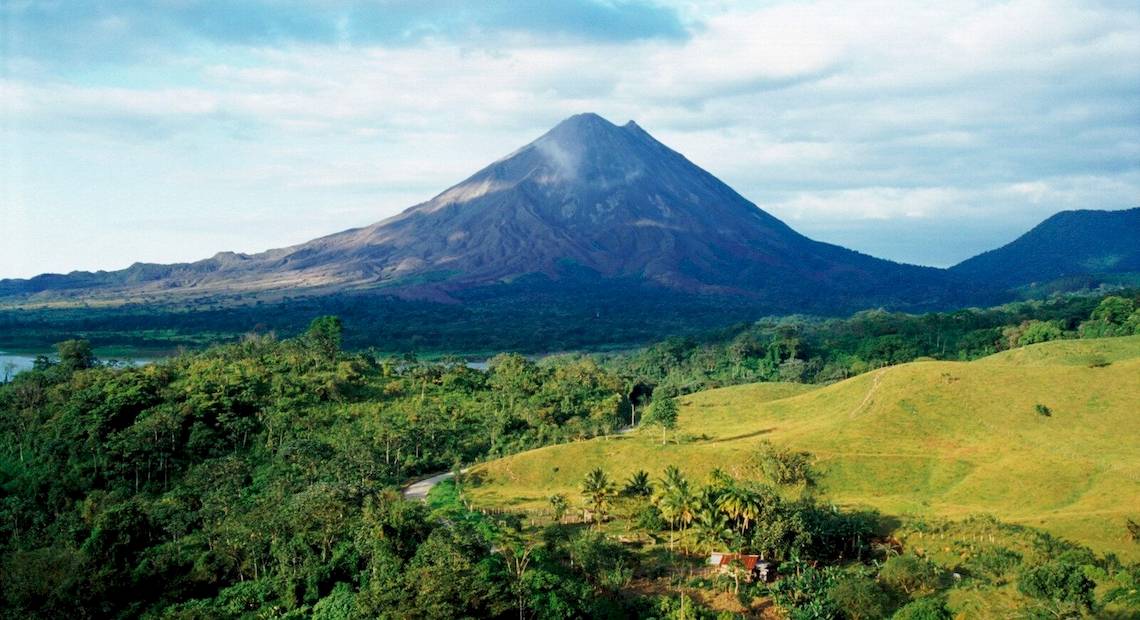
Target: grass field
943 439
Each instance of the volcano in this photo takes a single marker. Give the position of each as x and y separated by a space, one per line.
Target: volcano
588 202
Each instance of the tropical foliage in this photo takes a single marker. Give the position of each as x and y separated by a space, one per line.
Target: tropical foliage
259 476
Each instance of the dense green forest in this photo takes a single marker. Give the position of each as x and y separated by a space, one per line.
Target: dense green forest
258 473
259 478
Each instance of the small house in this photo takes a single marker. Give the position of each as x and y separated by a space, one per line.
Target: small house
754 567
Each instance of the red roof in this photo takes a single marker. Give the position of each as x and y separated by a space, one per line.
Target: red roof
724 559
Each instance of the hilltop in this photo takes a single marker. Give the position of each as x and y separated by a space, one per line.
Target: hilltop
946 439
1070 244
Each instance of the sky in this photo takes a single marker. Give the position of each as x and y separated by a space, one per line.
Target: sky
169 130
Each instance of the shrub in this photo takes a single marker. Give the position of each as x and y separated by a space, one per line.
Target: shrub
1125 588
649 518
1060 581
995 563
909 573
1095 360
786 467
1042 410
600 558
927 608
860 597
804 595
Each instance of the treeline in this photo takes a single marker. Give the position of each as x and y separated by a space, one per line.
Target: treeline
803 349
252 477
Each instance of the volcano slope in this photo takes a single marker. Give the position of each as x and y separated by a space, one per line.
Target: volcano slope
944 439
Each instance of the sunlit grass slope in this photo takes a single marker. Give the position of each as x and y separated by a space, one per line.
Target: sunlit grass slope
926 438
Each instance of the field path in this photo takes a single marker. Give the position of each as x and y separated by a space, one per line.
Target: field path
870 393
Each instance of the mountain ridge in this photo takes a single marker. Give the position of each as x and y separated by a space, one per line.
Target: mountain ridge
1073 243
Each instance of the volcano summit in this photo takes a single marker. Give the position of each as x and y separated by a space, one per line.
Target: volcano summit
589 202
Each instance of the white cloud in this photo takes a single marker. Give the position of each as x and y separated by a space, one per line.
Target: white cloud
823 112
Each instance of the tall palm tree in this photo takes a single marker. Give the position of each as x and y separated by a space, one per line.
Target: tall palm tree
751 510
675 501
742 504
732 501
712 526
673 477
720 478
597 488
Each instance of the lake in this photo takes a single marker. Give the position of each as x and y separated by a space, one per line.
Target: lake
23 361
11 363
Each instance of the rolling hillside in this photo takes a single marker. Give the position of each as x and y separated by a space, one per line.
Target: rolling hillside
927 438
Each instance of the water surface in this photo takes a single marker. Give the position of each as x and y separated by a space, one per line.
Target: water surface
12 363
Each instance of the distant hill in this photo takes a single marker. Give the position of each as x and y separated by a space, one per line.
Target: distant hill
1067 245
589 203
947 439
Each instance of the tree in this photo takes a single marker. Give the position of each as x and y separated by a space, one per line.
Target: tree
638 485
663 412
711 525
517 551
1113 309
676 500
513 378
448 577
741 504
9 371
1033 332
75 355
597 488
785 467
324 336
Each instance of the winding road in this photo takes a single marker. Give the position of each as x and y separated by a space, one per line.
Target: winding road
419 490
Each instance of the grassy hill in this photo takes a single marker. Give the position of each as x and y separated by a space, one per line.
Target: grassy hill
946 439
